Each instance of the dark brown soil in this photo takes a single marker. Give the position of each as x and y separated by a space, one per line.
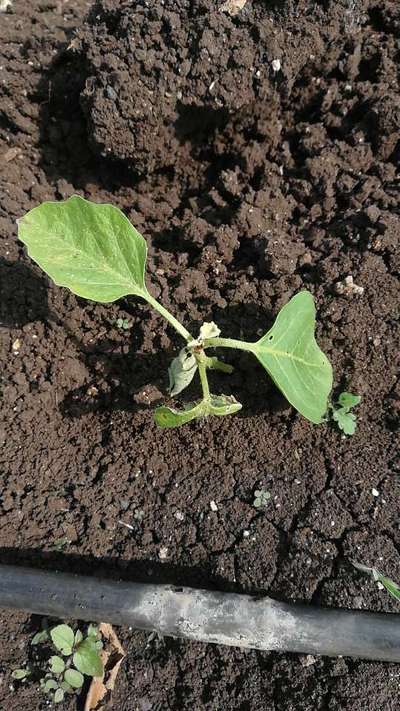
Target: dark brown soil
248 184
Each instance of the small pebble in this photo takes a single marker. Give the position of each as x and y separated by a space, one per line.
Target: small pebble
276 65
375 492
213 506
111 93
308 660
163 553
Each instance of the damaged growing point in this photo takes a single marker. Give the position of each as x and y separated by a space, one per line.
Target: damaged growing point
94 251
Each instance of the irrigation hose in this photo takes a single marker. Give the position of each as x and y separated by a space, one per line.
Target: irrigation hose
203 615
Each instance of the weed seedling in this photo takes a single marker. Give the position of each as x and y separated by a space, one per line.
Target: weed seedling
94 251
392 588
122 323
261 498
345 420
64 673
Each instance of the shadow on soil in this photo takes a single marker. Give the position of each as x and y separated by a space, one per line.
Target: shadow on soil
23 294
138 570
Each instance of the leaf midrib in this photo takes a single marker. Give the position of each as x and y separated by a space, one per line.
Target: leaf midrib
285 354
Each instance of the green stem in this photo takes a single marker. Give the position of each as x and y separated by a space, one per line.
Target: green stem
228 343
169 317
204 381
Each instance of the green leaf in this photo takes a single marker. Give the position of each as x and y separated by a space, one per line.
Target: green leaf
59 695
86 658
293 359
66 687
216 405
169 417
221 405
348 400
92 631
20 674
63 638
181 371
40 637
91 249
74 678
57 665
49 685
392 588
346 421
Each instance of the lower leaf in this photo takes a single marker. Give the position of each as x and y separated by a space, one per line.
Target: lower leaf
214 405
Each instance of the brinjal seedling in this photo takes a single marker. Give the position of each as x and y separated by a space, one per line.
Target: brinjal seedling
345 420
64 673
392 588
95 252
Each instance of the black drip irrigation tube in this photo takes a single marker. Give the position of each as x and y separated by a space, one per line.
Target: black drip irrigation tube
203 615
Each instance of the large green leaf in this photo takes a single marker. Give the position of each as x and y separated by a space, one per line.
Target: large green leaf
87 659
215 405
293 359
91 249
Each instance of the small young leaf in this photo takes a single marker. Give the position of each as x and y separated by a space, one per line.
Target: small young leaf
290 354
91 249
66 687
78 637
74 678
92 631
63 638
49 685
40 637
57 665
209 330
59 695
261 498
346 420
348 400
392 588
20 674
181 371
86 658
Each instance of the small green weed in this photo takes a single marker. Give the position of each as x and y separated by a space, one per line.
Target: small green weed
345 420
63 673
122 323
261 498
392 588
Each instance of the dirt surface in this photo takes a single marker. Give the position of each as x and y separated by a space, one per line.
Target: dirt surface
250 179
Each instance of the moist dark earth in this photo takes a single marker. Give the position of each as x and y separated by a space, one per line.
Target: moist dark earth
250 179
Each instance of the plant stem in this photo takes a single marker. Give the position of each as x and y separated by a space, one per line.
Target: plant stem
204 381
169 317
228 343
